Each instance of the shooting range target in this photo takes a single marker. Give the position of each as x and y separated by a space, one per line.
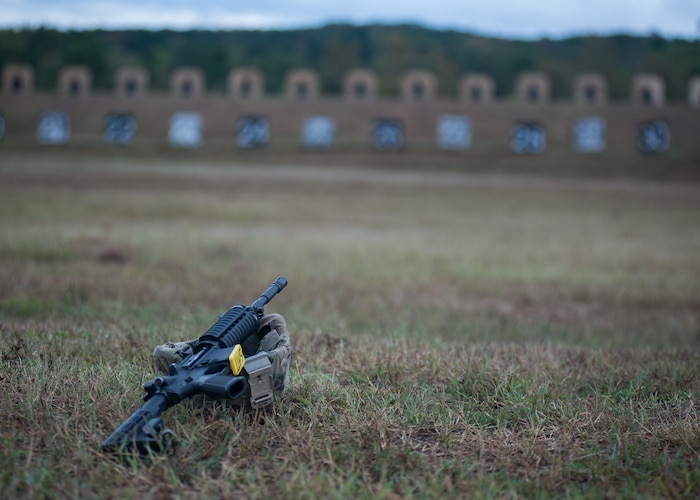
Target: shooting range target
589 135
53 128
454 132
387 134
317 132
252 132
653 137
119 128
528 138
186 130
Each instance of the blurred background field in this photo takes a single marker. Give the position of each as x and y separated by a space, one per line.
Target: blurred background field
488 216
454 334
459 257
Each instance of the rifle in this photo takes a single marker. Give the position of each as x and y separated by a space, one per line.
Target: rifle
213 369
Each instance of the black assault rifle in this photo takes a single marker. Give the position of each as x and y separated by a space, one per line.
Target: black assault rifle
209 370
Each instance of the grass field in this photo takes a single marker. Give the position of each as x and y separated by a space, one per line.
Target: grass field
454 335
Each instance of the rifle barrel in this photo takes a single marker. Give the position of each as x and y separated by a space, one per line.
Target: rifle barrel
275 288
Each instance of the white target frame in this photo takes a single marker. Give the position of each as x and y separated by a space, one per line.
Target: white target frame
186 130
589 134
318 132
53 128
453 132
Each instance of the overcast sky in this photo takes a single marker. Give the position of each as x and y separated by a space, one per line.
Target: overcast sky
507 18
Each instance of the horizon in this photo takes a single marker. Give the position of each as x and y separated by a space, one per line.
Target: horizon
312 27
510 19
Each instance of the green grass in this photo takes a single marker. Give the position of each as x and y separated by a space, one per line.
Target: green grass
454 336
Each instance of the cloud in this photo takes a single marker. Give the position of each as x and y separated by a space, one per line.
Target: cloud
133 14
516 18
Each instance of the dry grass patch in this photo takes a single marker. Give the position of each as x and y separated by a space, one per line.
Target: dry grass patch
465 337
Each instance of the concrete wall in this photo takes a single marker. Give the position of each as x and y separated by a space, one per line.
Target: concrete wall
590 89
648 90
477 88
131 82
360 85
187 83
491 126
302 85
533 87
246 83
18 79
74 81
418 86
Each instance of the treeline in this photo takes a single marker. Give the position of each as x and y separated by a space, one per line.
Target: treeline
334 49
